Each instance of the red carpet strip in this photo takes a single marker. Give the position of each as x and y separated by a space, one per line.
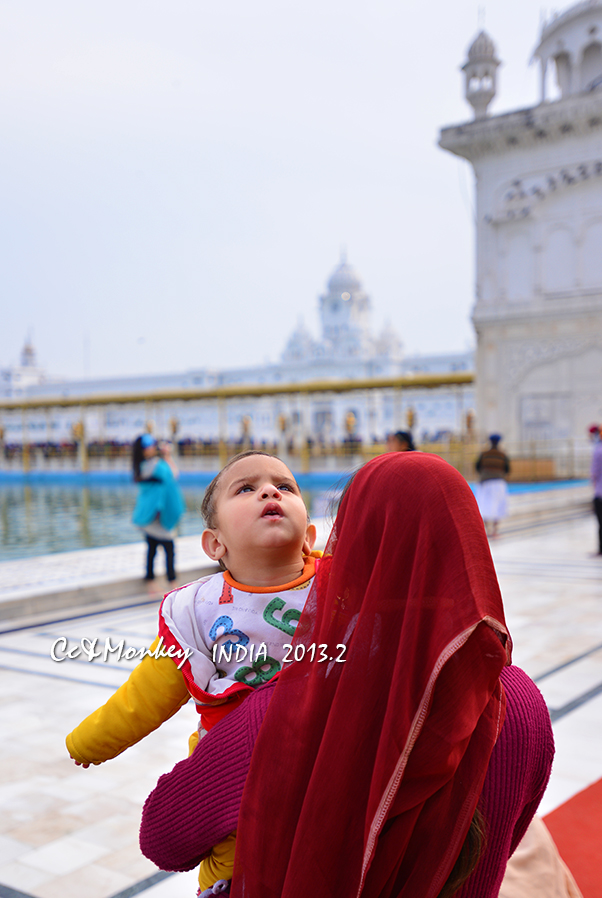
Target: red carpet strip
576 827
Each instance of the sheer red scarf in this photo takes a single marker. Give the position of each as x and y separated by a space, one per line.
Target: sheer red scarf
367 771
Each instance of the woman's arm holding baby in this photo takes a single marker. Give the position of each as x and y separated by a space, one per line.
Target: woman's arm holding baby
196 806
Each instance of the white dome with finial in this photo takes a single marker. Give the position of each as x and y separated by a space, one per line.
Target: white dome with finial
480 74
344 279
482 49
28 354
345 311
346 340
300 345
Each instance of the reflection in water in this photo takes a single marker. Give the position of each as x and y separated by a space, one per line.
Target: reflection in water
40 519
84 516
29 524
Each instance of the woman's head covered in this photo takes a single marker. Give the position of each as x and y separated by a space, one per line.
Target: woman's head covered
399 732
409 546
416 512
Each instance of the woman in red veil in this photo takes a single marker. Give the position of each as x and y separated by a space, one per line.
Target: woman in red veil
369 764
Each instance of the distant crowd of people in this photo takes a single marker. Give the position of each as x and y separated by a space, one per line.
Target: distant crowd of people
160 504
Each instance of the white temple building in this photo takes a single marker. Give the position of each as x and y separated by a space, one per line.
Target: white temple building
22 379
347 349
538 174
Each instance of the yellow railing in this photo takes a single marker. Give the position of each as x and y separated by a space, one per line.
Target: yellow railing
430 381
295 439
542 460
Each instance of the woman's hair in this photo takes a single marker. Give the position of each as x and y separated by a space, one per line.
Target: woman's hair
208 506
137 458
404 436
470 855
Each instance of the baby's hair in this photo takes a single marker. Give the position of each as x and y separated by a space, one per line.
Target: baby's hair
208 509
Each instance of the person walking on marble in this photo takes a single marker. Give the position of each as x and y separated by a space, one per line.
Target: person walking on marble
493 466
596 476
160 504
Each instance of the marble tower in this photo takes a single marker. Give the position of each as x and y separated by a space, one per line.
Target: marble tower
538 172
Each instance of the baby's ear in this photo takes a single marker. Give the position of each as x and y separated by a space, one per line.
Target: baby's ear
212 545
310 539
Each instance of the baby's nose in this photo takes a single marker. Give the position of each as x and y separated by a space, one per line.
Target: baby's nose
270 490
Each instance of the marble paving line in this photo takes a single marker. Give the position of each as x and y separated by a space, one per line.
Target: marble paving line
555 670
569 686
558 713
29 652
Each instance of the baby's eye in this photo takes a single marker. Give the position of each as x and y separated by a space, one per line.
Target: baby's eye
286 486
247 488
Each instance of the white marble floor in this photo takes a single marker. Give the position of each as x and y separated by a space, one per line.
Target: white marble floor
68 832
62 571
552 589
65 831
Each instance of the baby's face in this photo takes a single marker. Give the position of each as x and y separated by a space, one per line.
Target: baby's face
259 505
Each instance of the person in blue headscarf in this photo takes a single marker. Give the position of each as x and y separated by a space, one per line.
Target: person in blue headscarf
160 503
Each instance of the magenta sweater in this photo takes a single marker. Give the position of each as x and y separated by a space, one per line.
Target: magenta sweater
516 780
196 805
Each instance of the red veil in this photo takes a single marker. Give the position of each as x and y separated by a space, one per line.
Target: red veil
367 771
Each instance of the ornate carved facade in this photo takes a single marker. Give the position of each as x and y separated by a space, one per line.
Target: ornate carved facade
538 309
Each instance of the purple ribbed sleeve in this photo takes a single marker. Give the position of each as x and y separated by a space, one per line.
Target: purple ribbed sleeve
195 806
516 780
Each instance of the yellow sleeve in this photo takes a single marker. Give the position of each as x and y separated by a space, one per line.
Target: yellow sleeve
219 864
154 691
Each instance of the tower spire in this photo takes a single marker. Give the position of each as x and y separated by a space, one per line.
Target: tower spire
480 74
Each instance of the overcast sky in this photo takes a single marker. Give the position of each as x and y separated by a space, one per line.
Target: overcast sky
177 178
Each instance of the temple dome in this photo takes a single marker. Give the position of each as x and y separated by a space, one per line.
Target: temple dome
572 42
344 279
482 49
300 346
558 22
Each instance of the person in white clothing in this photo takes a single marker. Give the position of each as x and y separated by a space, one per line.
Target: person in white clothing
493 467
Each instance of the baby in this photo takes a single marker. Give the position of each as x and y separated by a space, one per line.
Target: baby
231 628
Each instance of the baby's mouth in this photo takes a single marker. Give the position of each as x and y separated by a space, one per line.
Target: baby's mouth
272 510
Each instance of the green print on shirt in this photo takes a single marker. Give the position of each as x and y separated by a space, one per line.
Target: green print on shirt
285 624
261 676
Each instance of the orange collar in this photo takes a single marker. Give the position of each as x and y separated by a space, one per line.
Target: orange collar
309 569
